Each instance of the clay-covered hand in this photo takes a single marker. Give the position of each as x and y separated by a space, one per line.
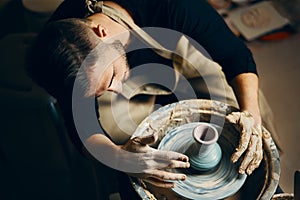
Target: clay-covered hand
250 142
152 163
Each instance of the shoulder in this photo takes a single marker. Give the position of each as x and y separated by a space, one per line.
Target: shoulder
196 9
70 9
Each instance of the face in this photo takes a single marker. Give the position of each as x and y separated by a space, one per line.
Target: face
110 74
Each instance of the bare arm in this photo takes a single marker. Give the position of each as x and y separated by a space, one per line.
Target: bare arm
245 87
248 122
138 159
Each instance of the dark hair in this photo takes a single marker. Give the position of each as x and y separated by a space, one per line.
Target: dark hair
58 53
56 57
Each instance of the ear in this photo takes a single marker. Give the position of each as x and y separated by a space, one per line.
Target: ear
100 31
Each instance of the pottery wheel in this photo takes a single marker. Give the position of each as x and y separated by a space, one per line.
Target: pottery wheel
218 183
170 120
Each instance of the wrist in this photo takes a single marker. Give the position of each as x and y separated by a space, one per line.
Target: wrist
255 114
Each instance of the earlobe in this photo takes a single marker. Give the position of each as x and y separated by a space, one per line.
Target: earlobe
100 31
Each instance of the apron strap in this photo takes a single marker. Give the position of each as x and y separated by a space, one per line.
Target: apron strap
131 88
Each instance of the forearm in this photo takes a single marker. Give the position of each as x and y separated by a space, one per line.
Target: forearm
112 155
138 159
245 87
103 149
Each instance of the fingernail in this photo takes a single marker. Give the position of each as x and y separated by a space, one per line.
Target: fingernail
183 159
234 158
241 171
183 177
249 171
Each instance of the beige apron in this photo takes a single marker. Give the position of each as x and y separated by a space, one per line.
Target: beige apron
120 114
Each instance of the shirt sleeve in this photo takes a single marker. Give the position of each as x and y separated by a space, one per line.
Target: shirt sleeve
200 21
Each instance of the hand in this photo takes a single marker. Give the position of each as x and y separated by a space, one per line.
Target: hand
153 162
250 141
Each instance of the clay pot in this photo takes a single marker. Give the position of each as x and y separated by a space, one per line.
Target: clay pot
205 153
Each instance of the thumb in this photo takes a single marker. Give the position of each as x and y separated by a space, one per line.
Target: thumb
233 117
149 139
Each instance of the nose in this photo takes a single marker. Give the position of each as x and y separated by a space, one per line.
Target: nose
116 87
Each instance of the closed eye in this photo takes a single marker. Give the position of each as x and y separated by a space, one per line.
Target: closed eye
111 80
113 76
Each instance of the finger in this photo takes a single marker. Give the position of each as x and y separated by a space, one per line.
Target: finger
249 155
149 139
169 155
258 156
157 159
165 176
233 117
178 164
241 119
159 183
243 144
